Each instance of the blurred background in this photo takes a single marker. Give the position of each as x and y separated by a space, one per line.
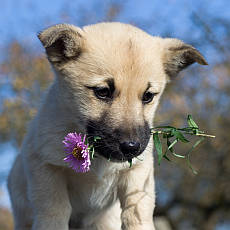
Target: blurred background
184 200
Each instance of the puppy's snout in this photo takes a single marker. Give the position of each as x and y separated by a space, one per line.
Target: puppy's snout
129 147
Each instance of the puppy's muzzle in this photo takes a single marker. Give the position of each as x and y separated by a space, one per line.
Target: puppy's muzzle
130 148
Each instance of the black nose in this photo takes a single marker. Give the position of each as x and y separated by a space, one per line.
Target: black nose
129 147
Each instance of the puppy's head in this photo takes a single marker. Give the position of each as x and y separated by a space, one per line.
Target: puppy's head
111 77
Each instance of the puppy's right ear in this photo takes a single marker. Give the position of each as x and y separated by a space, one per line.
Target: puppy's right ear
62 42
178 56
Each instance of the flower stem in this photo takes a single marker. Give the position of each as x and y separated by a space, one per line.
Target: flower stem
197 134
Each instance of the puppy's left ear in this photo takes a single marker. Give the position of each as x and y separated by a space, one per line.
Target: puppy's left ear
178 55
63 42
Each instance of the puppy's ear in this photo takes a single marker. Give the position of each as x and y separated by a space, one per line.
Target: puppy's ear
178 55
62 42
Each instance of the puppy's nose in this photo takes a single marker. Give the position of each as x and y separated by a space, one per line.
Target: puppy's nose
129 147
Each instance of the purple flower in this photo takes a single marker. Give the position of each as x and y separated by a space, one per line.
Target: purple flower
78 152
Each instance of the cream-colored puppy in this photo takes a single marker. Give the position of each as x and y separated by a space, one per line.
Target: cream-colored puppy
109 79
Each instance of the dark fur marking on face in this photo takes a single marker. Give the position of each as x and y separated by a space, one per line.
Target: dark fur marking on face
109 81
76 222
149 85
105 94
148 96
111 84
111 138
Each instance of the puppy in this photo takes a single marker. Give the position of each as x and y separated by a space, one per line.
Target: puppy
109 79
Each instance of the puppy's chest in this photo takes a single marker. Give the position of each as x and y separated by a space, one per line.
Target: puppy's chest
89 194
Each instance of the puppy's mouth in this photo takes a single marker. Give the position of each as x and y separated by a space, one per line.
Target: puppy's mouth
113 154
117 145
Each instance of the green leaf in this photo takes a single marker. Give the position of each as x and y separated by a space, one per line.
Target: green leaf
130 163
191 122
164 127
195 131
180 136
96 138
190 165
170 148
158 146
170 145
188 154
177 155
92 153
186 129
195 145
165 156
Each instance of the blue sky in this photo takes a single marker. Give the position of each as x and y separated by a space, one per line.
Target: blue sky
23 19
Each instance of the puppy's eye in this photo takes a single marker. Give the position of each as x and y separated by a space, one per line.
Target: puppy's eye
148 97
102 93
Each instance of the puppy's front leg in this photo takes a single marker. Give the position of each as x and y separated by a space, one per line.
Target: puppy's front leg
49 198
137 198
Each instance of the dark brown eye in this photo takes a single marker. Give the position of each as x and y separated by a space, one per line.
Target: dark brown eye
103 93
148 97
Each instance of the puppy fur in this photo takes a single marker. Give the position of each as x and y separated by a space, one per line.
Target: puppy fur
45 193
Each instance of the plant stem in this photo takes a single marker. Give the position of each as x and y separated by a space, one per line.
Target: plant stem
205 135
197 134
